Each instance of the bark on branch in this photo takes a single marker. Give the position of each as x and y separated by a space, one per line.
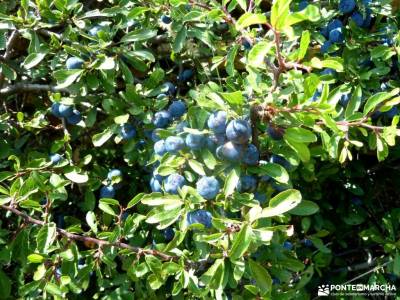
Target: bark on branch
30 87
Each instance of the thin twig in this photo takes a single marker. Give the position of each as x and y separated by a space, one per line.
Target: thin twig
86 239
30 87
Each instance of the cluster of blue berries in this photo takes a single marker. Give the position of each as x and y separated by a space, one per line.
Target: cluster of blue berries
72 115
114 177
333 32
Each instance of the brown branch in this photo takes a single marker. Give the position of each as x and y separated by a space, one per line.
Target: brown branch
30 87
86 239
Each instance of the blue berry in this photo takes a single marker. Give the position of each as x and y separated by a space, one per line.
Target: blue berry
251 155
276 133
303 5
114 174
230 151
55 158
170 88
166 19
200 216
287 245
177 109
325 47
55 110
195 141
162 119
159 148
75 118
217 122
208 187
247 183
173 144
74 63
127 131
336 36
185 75
156 183
173 183
347 6
65 111
107 191
169 234
238 131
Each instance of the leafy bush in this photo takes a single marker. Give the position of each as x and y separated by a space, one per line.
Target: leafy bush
187 149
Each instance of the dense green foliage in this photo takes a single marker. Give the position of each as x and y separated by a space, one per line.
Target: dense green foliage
197 149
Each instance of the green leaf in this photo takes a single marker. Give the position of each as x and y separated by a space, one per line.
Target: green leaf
231 182
53 289
301 150
45 237
214 276
35 258
378 98
197 167
157 199
138 35
100 138
107 209
33 59
230 60
135 200
256 56
248 19
300 135
180 40
304 42
279 13
261 276
76 177
273 170
91 221
282 203
66 77
305 208
234 98
354 103
208 158
5 285
241 242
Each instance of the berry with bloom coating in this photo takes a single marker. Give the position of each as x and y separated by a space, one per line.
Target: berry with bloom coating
185 75
75 118
288 245
127 131
55 158
156 183
168 234
217 122
161 119
95 30
173 183
166 19
230 151
195 141
336 23
55 110
208 187
74 63
159 148
251 155
303 5
114 174
238 131
107 191
325 47
347 6
170 88
200 216
336 36
276 133
177 109
247 183
173 144
280 160
65 111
